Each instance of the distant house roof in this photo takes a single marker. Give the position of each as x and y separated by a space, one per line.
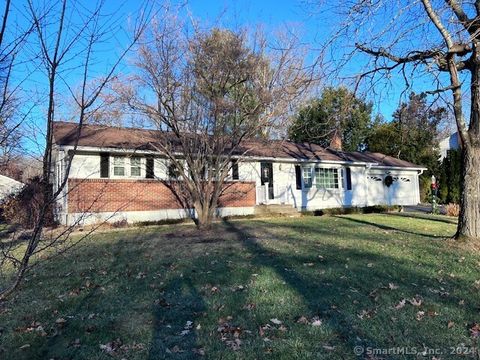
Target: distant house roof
9 186
449 143
65 134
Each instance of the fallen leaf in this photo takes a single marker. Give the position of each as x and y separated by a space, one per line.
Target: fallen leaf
176 349
302 320
75 343
162 302
60 322
275 321
475 330
401 304
316 321
420 315
112 346
199 351
234 344
261 332
250 306
140 275
41 330
415 301
392 286
450 324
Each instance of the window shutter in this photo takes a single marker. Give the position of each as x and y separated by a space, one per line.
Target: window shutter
150 170
235 170
348 176
298 176
104 165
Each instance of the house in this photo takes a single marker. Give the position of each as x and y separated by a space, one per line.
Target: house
9 186
117 175
451 142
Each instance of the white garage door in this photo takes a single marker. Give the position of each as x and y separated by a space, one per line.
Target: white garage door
402 191
376 190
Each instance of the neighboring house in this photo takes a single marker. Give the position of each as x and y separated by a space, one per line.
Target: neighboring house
449 143
8 186
116 175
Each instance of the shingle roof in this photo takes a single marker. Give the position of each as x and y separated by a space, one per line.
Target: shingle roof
65 133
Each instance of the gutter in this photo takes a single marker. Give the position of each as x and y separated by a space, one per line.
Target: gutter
247 157
369 165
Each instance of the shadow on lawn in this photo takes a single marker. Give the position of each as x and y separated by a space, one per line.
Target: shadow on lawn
322 294
178 295
429 217
391 228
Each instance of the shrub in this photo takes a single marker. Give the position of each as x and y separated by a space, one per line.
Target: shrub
453 209
120 224
352 210
24 208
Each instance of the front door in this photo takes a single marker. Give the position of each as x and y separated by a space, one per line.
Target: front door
266 176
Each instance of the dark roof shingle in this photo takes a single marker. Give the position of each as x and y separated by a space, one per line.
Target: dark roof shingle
65 133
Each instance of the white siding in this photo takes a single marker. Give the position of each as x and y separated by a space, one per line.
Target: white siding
368 186
403 191
85 166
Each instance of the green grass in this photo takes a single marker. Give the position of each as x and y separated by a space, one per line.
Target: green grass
135 290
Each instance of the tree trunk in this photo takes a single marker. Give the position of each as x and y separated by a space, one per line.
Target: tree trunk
469 219
204 216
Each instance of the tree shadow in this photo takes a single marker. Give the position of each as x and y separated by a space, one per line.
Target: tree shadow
389 228
181 305
429 217
167 297
322 293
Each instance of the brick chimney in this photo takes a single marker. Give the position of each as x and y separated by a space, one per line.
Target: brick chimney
336 142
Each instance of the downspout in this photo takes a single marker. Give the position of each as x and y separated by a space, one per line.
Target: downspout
367 169
419 172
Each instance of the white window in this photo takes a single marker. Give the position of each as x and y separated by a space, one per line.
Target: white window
326 178
135 166
119 166
307 177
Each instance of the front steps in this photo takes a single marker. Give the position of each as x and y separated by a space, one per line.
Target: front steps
276 210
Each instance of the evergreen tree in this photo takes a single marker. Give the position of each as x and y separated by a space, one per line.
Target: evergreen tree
412 135
337 111
450 177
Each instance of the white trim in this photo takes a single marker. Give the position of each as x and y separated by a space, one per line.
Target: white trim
245 157
384 167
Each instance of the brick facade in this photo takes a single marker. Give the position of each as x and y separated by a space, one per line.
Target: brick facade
110 195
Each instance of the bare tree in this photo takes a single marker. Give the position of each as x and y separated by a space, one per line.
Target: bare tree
67 38
423 42
13 37
209 92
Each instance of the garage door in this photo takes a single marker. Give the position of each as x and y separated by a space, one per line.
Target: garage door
402 191
376 190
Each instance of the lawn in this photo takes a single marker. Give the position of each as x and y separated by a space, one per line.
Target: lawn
288 288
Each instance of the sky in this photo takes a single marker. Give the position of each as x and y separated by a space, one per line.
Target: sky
300 17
